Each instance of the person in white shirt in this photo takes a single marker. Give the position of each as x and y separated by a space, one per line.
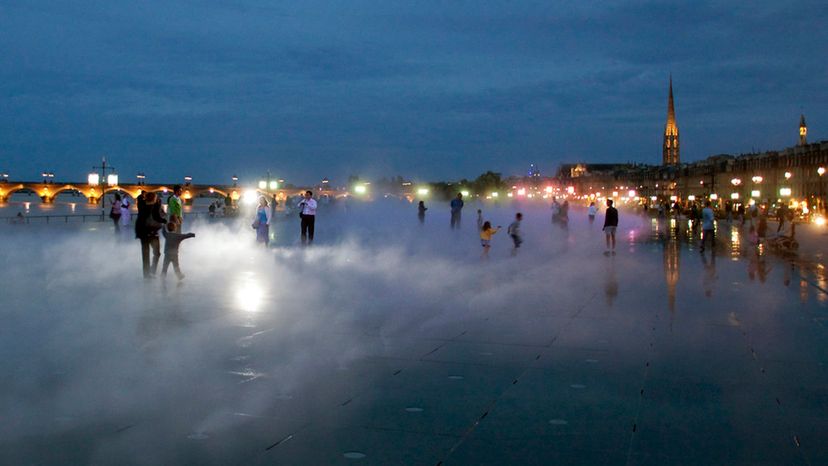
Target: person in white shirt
308 216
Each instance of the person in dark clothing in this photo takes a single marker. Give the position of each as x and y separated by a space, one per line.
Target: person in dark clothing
147 225
456 210
610 225
172 240
421 210
308 216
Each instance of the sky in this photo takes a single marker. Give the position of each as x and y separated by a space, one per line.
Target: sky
431 90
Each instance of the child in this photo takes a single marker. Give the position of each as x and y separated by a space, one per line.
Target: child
514 232
173 239
486 233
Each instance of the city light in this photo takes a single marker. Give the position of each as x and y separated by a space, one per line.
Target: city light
464 193
250 197
784 192
819 220
714 196
263 184
691 198
755 193
360 189
821 171
494 194
570 189
734 196
422 191
615 194
757 179
735 181
112 179
521 192
548 190
653 198
674 198
93 179
788 175
188 179
274 185
631 193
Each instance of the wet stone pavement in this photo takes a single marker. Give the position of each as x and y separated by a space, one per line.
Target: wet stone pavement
657 355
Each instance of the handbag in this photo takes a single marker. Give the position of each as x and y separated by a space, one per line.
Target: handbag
256 224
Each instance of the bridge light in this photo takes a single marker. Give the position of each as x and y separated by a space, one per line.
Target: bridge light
93 179
112 179
274 185
422 191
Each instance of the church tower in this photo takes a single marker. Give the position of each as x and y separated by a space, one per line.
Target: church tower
671 134
803 131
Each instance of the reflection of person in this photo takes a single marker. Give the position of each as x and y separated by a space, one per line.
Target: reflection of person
611 284
707 226
421 210
308 215
174 207
456 210
610 225
126 215
262 222
514 232
709 273
486 234
149 221
171 242
479 219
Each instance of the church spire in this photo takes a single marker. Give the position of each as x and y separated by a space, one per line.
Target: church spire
670 148
803 131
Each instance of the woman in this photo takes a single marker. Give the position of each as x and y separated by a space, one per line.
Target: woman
126 216
115 212
262 222
149 221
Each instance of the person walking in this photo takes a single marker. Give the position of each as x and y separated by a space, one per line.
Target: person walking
171 242
610 225
115 212
308 216
456 210
262 222
514 232
149 221
421 210
174 208
707 220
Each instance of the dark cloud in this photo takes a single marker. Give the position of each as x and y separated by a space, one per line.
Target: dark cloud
432 89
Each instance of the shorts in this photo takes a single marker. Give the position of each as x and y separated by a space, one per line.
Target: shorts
516 240
486 243
610 230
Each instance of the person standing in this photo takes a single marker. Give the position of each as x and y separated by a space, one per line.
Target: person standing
707 220
610 225
421 210
174 208
308 215
262 222
149 221
115 212
591 212
126 215
456 210
514 232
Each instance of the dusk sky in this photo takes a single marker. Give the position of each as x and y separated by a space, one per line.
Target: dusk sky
428 89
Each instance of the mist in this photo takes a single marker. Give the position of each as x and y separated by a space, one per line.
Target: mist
258 349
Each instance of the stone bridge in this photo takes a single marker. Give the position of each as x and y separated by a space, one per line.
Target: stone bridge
49 191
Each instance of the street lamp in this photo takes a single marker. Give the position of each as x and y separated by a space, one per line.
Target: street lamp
735 181
93 179
788 175
141 177
821 171
112 179
98 179
757 179
235 180
188 180
5 177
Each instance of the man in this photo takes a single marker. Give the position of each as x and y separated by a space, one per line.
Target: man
456 210
174 208
308 216
707 226
610 225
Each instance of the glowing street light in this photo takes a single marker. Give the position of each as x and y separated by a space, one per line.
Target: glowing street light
735 181
691 198
93 179
714 197
788 175
464 193
757 179
821 171
734 196
273 185
262 184
141 177
235 180
631 193
755 193
188 179
495 194
360 189
422 191
785 192
112 179
521 192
